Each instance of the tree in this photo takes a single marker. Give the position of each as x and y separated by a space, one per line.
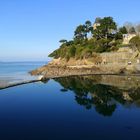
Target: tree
105 38
106 28
80 32
88 27
98 20
63 41
68 43
123 30
138 28
118 36
132 30
128 25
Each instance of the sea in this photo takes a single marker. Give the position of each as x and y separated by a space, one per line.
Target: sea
96 107
17 72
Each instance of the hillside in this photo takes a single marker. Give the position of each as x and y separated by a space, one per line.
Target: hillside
96 48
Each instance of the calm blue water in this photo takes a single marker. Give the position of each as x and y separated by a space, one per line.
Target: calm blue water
16 67
72 108
14 72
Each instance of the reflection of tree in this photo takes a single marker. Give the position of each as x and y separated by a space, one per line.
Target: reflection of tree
135 95
106 110
101 97
89 93
87 102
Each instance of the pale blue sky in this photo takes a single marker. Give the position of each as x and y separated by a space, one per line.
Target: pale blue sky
31 29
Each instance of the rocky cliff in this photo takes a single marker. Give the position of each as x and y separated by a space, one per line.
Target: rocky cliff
125 60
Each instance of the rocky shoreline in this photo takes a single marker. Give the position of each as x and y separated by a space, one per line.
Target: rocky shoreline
49 71
124 61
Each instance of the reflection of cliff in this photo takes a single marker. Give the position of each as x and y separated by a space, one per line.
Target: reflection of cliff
125 82
90 92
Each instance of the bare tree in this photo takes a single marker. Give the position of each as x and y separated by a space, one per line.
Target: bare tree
128 26
137 28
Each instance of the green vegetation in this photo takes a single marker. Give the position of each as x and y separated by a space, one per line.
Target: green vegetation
90 38
135 43
132 30
106 29
123 30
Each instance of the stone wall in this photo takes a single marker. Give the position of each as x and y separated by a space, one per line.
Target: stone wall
116 57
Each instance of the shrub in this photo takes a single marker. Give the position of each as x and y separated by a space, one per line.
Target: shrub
72 51
135 43
78 52
86 53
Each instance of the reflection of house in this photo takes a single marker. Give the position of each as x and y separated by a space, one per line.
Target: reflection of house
127 38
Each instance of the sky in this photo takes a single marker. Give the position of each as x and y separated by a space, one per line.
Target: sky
31 29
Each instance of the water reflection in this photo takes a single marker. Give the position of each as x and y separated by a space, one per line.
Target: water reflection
103 93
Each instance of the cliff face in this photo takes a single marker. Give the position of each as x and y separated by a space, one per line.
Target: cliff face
125 60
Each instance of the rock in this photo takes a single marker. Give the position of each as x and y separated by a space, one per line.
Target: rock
104 63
